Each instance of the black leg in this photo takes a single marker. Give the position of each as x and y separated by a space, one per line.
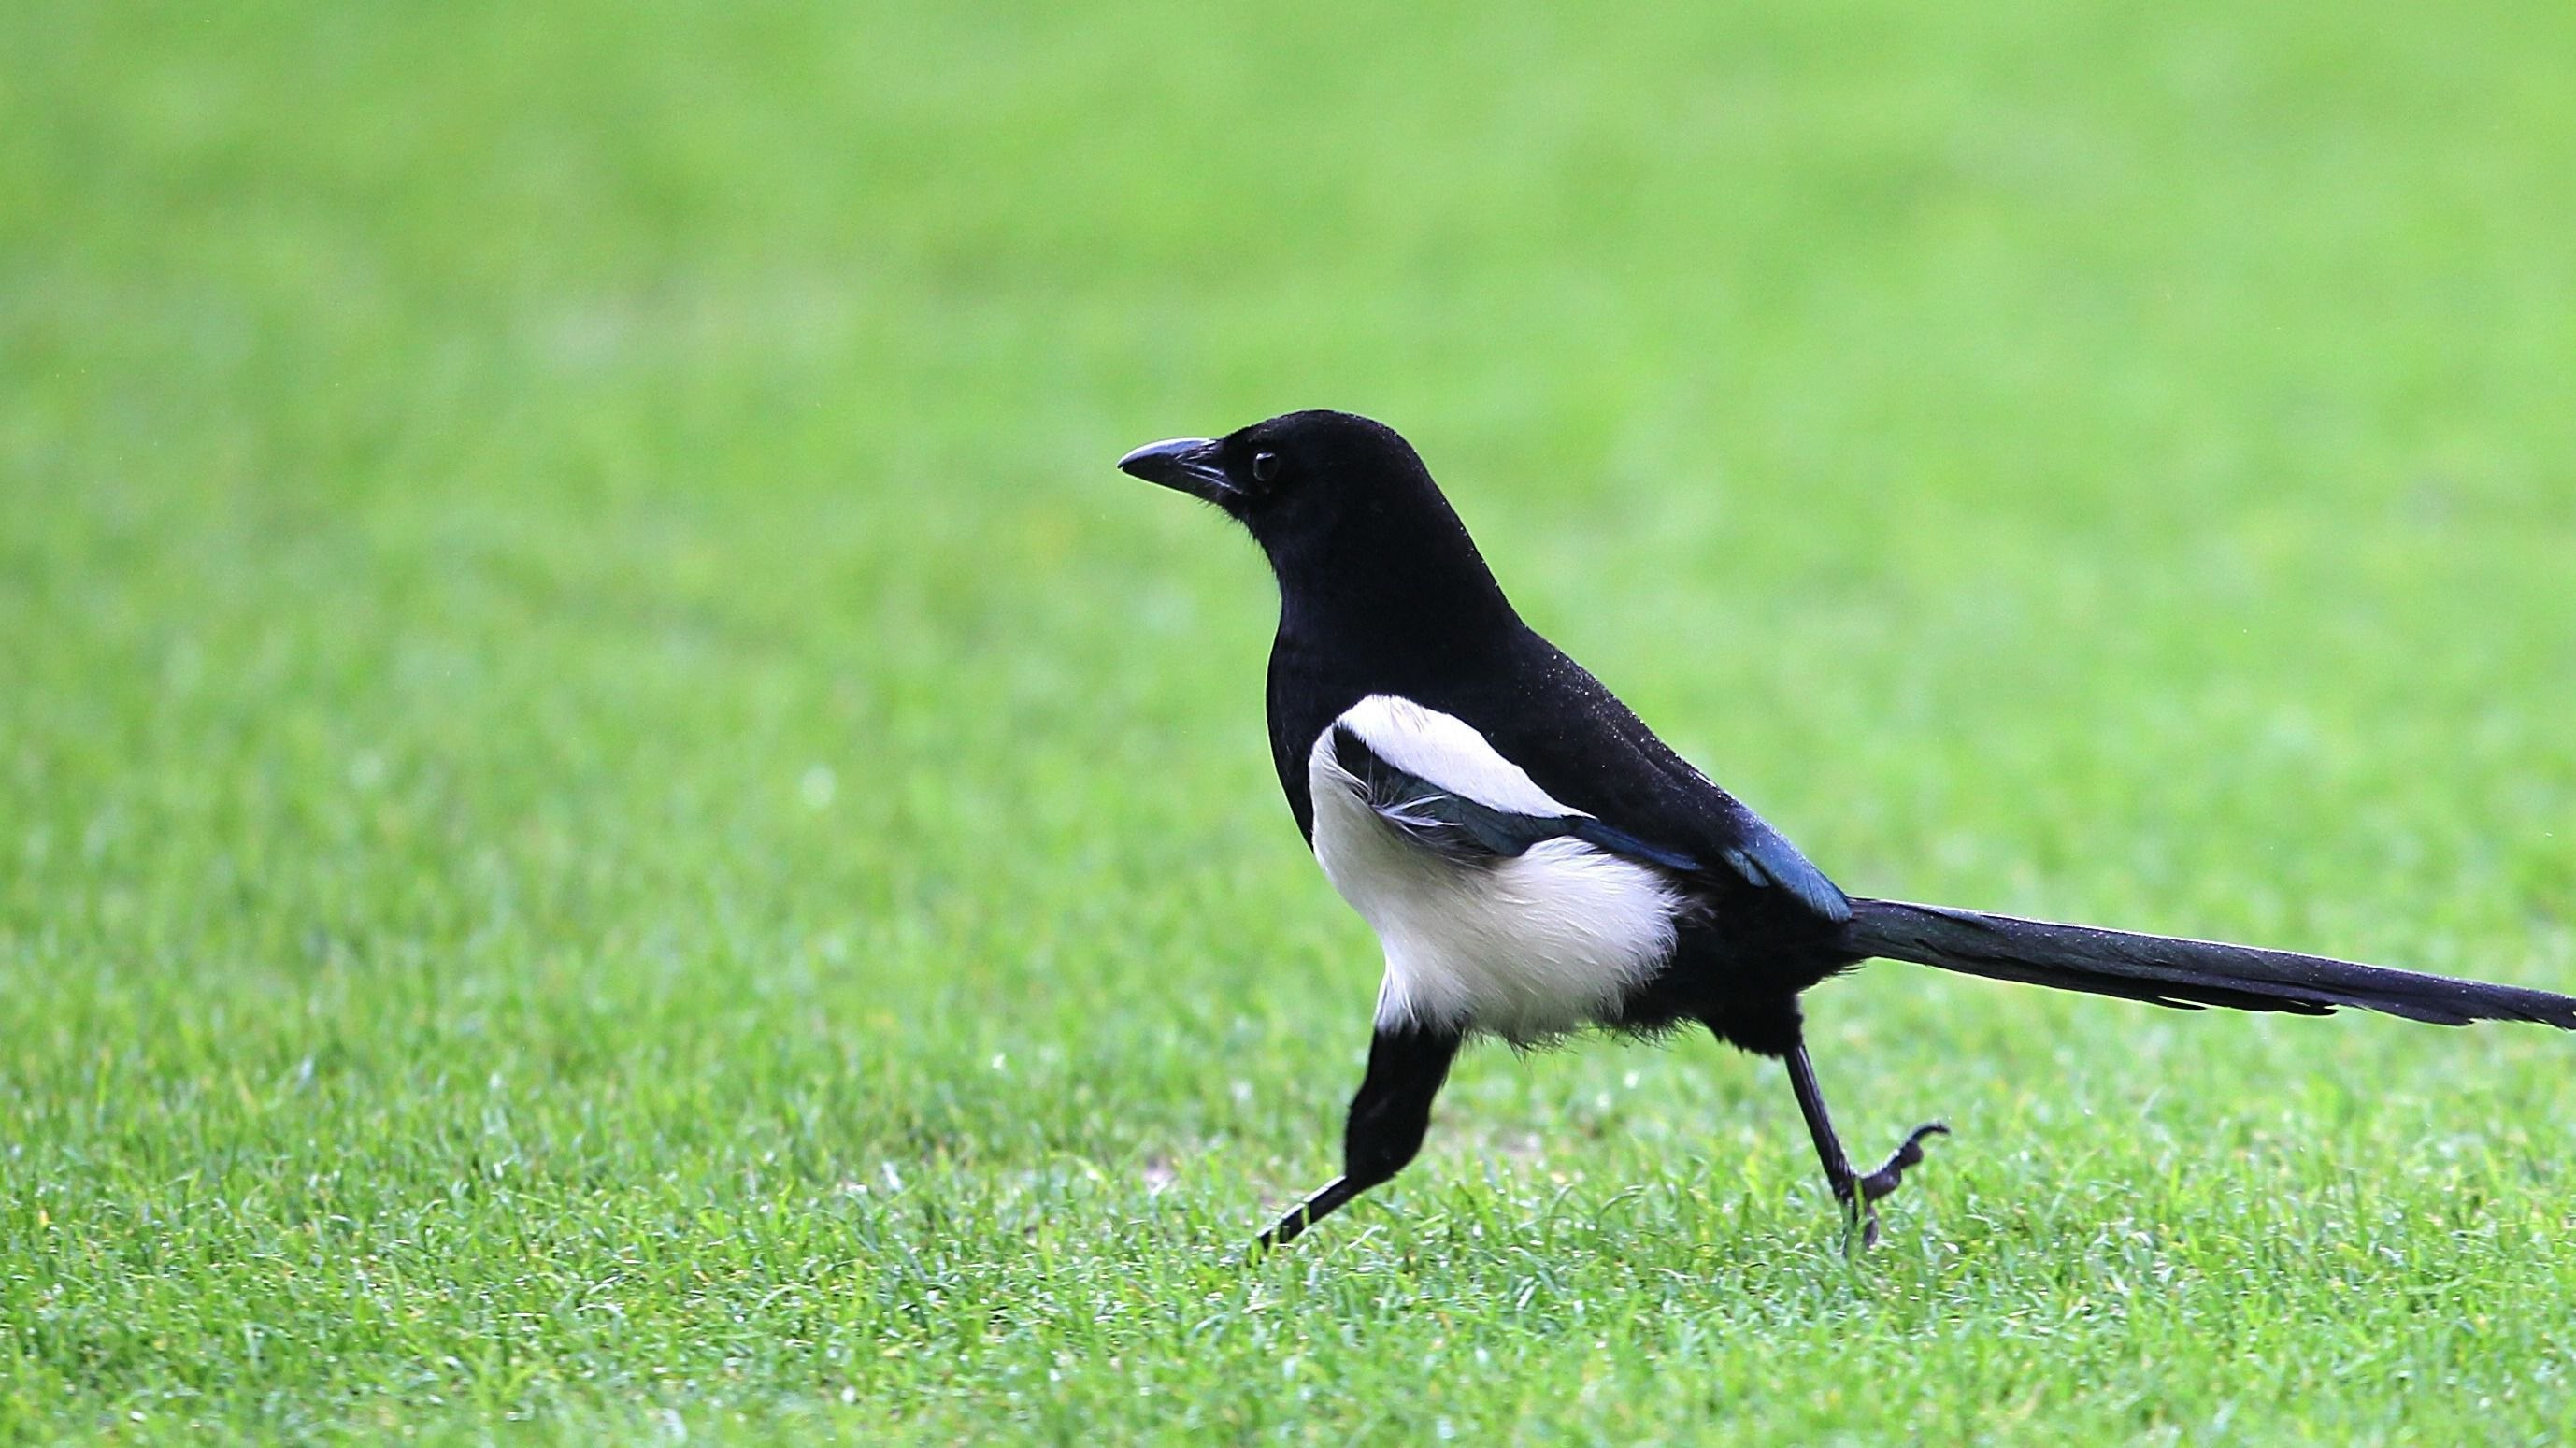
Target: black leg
1857 1192
1388 1116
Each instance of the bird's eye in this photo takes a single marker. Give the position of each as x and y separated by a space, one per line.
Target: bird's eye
1265 466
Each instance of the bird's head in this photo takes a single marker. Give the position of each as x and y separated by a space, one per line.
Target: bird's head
1356 531
1299 480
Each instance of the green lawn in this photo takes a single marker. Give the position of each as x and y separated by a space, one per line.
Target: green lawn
613 826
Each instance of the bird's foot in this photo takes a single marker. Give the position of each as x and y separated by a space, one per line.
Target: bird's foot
1859 1192
1325 1200
1288 1229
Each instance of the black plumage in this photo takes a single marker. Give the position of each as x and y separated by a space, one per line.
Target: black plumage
1500 781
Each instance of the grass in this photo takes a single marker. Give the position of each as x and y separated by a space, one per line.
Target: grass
612 826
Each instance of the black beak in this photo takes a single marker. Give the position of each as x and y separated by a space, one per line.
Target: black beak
1187 464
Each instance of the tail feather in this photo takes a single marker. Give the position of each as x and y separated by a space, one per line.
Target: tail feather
2169 971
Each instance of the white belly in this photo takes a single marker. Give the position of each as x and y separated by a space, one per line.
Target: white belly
1526 948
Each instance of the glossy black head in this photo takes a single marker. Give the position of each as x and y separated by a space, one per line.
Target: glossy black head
1297 473
1352 522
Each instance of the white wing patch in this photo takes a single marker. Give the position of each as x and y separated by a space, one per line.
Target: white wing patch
1447 751
1526 947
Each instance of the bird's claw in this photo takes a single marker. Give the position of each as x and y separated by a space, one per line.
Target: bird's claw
1859 1194
1892 1171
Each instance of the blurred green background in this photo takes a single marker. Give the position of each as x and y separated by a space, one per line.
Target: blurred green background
611 822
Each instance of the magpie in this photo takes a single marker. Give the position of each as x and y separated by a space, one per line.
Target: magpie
1535 862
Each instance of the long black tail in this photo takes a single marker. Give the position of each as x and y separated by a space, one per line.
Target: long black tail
2187 973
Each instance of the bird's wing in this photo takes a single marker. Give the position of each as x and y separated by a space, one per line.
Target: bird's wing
1593 753
1764 856
1433 777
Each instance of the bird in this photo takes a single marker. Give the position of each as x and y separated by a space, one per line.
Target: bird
1536 863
